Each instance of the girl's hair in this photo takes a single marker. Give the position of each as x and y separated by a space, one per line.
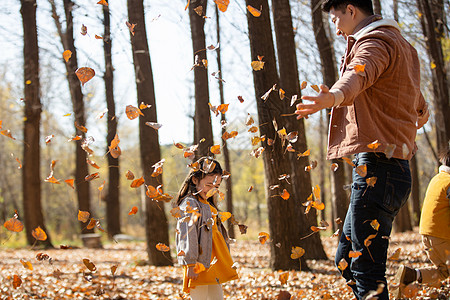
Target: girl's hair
445 157
199 169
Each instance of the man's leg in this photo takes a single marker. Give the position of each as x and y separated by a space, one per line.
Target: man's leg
438 252
215 292
199 292
373 211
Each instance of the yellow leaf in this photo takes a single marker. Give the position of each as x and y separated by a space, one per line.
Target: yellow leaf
26 264
316 88
83 216
39 234
432 65
371 181
162 247
224 216
343 264
354 254
263 237
215 149
257 65
199 267
297 252
67 55
283 277
375 225
306 153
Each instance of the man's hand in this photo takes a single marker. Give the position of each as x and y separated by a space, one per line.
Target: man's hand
191 274
323 100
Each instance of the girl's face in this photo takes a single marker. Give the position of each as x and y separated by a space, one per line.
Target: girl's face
207 183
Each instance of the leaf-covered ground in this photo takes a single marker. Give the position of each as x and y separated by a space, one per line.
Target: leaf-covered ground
65 276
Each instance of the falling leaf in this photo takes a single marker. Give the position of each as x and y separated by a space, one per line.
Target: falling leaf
199 10
432 65
92 177
297 252
222 4
257 152
223 108
242 228
153 125
20 164
89 265
212 47
16 281
48 139
137 182
359 68
132 112
389 151
334 167
187 5
375 225
292 136
67 55
281 93
76 138
343 264
257 65
199 267
144 106
129 175
85 74
371 181
348 160
254 11
361 170
7 133
293 99
133 211
224 215
39 234
263 237
317 229
285 194
152 192
306 153
250 188
83 29
26 264
130 27
52 179
367 241
91 224
100 188
13 225
83 216
215 149
253 129
374 145
103 2
396 255
92 163
316 88
228 135
241 99
205 63
113 269
70 182
114 148
162 247
354 254
283 277
303 85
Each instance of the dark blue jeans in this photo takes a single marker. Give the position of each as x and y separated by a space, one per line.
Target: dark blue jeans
380 202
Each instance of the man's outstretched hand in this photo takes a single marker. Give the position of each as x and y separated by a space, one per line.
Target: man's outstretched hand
323 100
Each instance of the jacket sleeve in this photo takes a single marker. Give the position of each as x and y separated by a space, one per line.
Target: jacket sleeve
422 112
373 54
187 233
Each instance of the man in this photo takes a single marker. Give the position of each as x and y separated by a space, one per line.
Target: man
377 109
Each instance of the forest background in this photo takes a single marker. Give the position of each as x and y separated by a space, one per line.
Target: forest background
173 62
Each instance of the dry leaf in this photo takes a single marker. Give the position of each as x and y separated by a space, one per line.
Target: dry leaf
199 10
70 182
354 254
257 65
285 195
348 160
162 247
130 27
334 167
129 175
89 265
67 55
85 74
133 211
83 216
375 225
367 241
371 181
396 255
343 264
199 267
7 133
215 149
13 225
26 264
283 277
254 11
316 88
374 145
153 125
359 68
103 2
16 281
132 112
222 4
263 237
361 170
303 85
83 29
39 234
297 252
137 182
92 177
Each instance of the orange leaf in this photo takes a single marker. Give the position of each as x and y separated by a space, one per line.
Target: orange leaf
132 112
178 145
215 149
254 11
367 241
318 206
374 145
187 5
97 37
349 161
52 179
343 264
85 74
67 55
224 215
39 234
48 138
137 182
129 175
14 225
285 194
83 216
26 264
100 188
283 277
162 247
76 138
371 181
223 108
396 255
103 2
80 127
7 133
257 65
16 281
316 88
133 211
375 225
250 188
70 182
83 29
89 265
199 267
359 68
130 27
354 254
91 177
91 224
334 167
152 192
263 237
361 170
222 4
303 85
92 163
297 252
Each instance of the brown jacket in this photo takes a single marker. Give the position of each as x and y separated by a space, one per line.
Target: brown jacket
382 103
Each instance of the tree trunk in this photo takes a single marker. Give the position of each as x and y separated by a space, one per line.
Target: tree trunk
415 191
81 167
432 21
156 225
226 153
402 221
395 9
202 118
289 82
377 7
339 197
31 178
112 196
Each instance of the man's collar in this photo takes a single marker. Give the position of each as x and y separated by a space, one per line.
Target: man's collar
370 23
366 22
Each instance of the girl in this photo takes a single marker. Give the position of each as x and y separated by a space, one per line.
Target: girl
202 240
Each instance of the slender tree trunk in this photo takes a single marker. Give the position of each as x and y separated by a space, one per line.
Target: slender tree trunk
31 178
226 153
156 226
202 118
415 192
432 21
339 197
81 167
395 9
377 7
112 196
289 81
323 173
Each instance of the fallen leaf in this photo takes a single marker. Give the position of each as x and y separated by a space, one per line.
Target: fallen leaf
285 194
361 170
241 99
371 181
7 133
283 277
26 264
85 74
396 255
16 281
343 264
92 177
242 228
89 265
354 254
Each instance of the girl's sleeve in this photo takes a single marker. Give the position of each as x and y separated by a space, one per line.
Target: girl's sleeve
187 234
